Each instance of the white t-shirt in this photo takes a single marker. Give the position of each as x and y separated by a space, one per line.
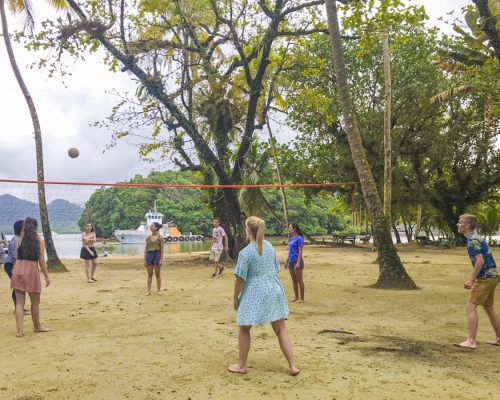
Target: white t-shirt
218 238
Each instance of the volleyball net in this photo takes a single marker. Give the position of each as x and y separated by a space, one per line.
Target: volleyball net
321 208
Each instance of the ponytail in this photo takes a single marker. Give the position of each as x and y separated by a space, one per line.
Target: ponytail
256 227
297 229
259 238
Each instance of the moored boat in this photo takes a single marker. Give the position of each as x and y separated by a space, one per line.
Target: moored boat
169 231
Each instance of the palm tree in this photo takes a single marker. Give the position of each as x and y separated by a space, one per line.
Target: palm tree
392 273
387 127
25 7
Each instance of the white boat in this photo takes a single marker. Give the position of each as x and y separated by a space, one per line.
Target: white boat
168 230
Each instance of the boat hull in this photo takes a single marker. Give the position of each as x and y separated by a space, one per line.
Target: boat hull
139 237
131 237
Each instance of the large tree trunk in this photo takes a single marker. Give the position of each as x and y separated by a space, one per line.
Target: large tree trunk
226 207
52 259
392 273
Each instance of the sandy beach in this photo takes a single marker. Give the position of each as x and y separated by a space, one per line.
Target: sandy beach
109 341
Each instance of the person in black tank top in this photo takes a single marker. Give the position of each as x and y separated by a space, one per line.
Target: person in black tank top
88 252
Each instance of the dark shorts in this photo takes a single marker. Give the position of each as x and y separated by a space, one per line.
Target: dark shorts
153 257
8 269
85 255
293 264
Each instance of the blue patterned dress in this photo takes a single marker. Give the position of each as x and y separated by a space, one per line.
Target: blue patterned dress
263 298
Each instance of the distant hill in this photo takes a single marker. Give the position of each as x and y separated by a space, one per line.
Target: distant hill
63 215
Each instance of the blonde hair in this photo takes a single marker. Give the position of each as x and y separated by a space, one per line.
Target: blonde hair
470 219
255 227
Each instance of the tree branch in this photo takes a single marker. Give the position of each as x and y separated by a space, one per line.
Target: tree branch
303 5
255 92
156 89
236 41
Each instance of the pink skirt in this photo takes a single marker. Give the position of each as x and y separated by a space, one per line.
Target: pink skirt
26 277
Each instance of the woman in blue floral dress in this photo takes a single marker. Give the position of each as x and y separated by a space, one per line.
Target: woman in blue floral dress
259 297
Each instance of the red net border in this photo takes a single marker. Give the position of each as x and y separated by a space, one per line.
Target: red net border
178 186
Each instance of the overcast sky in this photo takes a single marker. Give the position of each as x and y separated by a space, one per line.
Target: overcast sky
66 113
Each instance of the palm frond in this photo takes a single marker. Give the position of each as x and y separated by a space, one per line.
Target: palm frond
25 9
471 19
445 96
494 6
474 42
58 4
449 67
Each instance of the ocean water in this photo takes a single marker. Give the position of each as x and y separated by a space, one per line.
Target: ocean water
69 245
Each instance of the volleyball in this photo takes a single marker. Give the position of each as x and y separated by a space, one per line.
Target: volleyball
73 152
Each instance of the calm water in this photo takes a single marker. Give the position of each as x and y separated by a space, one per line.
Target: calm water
69 245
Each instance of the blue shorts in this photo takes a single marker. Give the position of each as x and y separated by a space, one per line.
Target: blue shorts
153 257
293 264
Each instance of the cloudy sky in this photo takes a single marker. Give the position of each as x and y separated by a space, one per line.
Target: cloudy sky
67 112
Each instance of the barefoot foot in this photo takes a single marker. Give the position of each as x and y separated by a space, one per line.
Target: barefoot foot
42 329
295 300
19 334
90 281
148 294
236 369
494 342
294 371
468 344
299 301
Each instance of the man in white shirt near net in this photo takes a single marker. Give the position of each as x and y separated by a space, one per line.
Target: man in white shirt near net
219 243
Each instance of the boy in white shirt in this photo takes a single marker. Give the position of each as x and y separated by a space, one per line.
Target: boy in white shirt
219 243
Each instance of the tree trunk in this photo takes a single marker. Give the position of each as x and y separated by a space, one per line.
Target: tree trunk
491 126
387 128
419 219
396 233
226 207
278 171
392 273
450 217
52 258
